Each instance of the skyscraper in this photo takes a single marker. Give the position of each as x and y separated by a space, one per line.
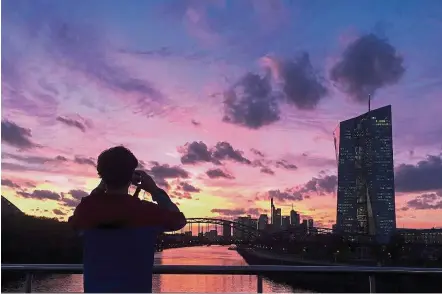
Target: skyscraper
277 220
263 221
364 150
294 218
285 222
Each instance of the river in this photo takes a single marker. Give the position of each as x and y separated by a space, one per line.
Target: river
213 255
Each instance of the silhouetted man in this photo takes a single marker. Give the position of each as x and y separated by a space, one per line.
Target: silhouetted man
120 230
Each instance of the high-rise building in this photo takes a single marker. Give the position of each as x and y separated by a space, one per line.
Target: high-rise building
365 196
310 223
242 233
263 221
277 221
285 222
294 218
227 231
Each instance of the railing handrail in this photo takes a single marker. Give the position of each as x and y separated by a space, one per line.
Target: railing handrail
232 270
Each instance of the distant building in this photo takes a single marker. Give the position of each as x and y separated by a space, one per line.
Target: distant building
263 221
310 223
424 236
304 224
294 218
243 233
277 218
212 235
227 231
285 222
365 196
188 234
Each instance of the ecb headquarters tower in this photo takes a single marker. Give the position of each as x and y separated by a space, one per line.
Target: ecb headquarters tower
364 151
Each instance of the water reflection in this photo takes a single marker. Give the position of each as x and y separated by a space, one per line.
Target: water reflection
214 255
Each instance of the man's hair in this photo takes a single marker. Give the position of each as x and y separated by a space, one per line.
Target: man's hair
116 166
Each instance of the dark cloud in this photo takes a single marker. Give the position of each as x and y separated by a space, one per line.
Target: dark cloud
85 160
195 123
61 158
301 85
186 187
225 151
166 171
426 201
216 173
426 175
257 152
9 183
267 170
20 167
72 123
40 194
368 64
181 195
75 197
33 159
285 165
285 196
251 103
322 185
58 212
161 172
70 202
326 184
16 136
78 194
198 152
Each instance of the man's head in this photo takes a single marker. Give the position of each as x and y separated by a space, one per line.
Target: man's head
116 167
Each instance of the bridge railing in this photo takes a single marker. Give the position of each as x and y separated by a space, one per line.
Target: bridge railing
258 270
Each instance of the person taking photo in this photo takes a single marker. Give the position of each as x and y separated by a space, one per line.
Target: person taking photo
119 230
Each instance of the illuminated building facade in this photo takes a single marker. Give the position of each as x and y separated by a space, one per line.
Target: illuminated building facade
364 150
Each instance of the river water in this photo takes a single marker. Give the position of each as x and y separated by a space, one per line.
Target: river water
213 255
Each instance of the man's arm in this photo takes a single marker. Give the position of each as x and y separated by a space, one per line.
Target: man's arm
163 200
169 215
166 213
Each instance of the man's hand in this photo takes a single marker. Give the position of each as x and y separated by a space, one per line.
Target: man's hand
146 182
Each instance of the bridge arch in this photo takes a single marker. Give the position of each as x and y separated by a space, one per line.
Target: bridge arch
254 232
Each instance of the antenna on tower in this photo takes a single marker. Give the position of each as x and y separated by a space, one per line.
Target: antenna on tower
369 100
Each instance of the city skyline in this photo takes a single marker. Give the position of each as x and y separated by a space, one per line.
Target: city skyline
226 103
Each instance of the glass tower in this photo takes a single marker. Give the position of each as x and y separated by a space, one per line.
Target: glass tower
364 150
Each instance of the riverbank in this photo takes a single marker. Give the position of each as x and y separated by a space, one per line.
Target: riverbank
335 283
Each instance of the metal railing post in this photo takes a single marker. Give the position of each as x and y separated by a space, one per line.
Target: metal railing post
28 283
259 283
372 282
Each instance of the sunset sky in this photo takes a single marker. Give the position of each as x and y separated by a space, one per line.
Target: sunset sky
224 102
